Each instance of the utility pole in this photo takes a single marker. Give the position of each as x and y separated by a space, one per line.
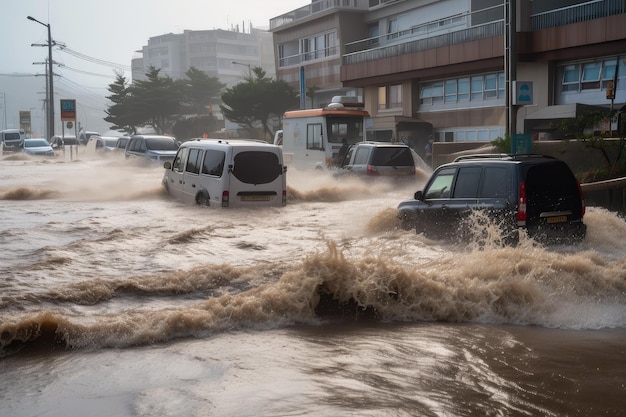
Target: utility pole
50 79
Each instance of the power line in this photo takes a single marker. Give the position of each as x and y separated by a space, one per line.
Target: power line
88 58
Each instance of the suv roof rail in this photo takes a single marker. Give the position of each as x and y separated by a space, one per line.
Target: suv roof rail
501 156
482 156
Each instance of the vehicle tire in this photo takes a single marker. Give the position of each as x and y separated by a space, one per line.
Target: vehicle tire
202 199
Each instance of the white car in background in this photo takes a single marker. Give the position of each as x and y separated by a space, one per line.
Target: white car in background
101 144
37 146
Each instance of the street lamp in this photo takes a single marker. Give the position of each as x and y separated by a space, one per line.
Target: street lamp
50 80
245 65
4 98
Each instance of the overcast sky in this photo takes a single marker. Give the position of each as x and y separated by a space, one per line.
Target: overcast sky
106 34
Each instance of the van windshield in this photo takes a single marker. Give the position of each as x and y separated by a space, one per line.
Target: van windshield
256 167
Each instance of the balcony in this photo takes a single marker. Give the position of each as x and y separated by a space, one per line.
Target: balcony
595 9
316 8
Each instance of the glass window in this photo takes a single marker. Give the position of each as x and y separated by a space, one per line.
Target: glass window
314 138
213 163
467 182
496 182
477 88
361 156
180 160
382 97
450 88
395 96
491 86
591 72
193 161
256 167
392 28
441 184
464 89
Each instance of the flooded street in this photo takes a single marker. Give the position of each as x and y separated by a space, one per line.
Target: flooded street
116 300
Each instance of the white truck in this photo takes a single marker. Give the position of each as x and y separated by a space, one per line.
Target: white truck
313 138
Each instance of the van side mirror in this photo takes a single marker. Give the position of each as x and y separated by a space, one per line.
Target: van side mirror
167 165
419 195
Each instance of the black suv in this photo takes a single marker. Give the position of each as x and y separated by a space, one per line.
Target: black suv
533 192
378 159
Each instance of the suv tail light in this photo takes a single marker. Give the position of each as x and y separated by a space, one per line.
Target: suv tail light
284 197
225 198
521 205
371 170
582 199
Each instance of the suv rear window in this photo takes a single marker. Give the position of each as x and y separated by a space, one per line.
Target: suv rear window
392 156
257 167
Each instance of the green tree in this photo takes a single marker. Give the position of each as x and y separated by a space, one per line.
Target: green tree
582 128
200 91
258 99
118 112
155 101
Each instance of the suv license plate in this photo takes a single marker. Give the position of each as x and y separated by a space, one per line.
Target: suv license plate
556 219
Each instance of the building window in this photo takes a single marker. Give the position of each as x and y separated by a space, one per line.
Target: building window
464 89
392 28
390 96
588 75
591 75
319 46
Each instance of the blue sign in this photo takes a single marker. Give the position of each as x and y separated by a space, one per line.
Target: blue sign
523 93
521 143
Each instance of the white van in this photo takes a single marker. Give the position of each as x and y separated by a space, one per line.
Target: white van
227 173
12 139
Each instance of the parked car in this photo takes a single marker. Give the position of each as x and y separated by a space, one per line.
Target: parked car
378 159
535 193
58 142
83 136
101 143
120 144
154 148
227 173
37 146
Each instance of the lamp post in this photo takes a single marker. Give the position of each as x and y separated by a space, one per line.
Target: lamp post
4 107
50 80
246 65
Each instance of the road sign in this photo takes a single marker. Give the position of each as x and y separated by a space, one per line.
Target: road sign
68 110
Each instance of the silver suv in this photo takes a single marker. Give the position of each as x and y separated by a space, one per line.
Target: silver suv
378 159
533 192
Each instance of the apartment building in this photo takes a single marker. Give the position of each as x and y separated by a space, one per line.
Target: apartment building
226 54
456 69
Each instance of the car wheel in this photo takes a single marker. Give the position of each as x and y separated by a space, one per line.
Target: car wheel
202 199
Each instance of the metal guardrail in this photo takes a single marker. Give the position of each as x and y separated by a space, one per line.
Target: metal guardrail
575 14
487 30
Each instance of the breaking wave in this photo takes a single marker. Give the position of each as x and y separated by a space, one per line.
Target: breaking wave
521 286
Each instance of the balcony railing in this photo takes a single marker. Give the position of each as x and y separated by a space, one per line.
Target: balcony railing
317 7
488 30
578 13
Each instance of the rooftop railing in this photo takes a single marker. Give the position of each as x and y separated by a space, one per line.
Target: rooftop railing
317 7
